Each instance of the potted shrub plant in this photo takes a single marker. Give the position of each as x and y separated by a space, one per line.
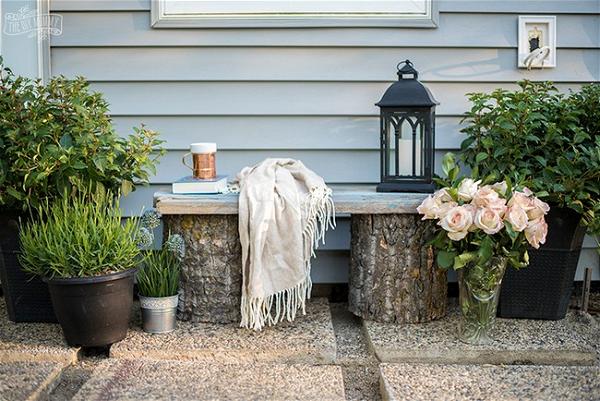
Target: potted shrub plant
55 138
88 256
550 142
158 278
482 227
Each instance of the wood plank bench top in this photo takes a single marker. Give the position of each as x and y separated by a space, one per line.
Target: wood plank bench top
348 199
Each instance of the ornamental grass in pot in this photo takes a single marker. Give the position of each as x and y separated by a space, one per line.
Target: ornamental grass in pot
551 143
56 138
158 278
482 227
88 256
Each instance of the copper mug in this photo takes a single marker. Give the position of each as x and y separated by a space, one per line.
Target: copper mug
203 158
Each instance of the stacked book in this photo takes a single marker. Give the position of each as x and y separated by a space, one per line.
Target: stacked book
193 186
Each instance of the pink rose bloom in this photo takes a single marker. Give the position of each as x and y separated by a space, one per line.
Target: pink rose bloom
473 209
536 232
488 220
428 208
517 217
433 208
467 188
500 187
444 208
539 209
487 198
521 200
457 222
442 195
527 191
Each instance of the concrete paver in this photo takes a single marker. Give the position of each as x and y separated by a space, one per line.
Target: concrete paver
309 339
33 341
565 342
27 380
125 379
489 382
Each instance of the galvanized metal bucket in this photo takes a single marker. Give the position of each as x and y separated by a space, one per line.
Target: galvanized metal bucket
159 314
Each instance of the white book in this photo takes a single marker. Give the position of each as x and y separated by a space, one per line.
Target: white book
191 185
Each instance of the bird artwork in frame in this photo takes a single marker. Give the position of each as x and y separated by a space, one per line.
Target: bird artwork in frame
537 42
535 38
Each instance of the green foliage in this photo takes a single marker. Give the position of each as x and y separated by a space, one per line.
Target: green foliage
540 138
79 236
159 275
58 138
587 101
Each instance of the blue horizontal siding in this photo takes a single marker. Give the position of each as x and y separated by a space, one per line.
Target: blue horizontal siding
305 93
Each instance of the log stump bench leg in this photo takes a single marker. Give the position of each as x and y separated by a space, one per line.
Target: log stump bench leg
393 275
211 272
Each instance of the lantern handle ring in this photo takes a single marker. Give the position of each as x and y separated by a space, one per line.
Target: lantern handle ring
407 69
406 62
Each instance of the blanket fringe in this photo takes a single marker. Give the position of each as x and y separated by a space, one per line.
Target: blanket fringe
259 312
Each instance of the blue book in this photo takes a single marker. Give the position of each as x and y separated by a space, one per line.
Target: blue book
190 185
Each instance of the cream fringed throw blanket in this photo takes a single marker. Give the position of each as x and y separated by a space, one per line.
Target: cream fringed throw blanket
284 210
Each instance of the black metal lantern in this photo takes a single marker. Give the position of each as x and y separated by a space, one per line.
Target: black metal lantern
407 121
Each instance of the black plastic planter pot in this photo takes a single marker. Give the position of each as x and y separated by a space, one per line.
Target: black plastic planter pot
27 298
93 311
543 289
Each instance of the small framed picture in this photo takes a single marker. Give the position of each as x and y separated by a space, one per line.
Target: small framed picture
537 41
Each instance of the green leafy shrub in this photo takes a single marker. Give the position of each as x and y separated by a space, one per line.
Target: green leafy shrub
587 101
543 139
59 137
80 236
159 274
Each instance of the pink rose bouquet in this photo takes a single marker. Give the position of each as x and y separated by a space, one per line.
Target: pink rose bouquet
482 227
477 220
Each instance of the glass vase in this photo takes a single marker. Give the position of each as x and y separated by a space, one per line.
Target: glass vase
479 287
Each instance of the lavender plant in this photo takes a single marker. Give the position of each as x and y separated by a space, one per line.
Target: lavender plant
80 236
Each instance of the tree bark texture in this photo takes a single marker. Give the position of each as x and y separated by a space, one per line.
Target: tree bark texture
393 274
211 272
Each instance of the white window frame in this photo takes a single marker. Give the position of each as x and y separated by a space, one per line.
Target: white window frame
286 14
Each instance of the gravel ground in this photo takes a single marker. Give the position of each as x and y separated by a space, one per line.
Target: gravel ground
72 379
488 382
361 382
143 379
28 380
34 342
360 367
570 341
75 376
309 339
352 346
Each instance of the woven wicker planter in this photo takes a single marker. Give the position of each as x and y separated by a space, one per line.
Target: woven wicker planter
543 289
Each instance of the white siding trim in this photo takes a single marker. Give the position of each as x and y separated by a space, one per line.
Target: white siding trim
445 6
43 42
1 28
